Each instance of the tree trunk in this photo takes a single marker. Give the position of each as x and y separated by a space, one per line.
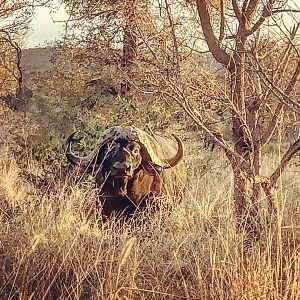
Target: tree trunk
129 48
240 191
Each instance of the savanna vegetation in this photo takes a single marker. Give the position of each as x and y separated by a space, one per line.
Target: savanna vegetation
222 75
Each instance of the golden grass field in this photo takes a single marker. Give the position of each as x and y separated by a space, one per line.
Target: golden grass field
52 246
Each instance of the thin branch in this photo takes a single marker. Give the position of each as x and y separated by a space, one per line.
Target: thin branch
222 21
273 124
285 100
284 161
250 11
285 10
237 11
267 12
285 95
219 54
18 55
293 81
174 38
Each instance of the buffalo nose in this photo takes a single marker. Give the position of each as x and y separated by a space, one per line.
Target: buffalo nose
121 166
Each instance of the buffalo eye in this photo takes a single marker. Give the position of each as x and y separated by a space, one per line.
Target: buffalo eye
135 151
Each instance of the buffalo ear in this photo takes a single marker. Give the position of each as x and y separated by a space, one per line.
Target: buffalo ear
150 146
153 149
152 169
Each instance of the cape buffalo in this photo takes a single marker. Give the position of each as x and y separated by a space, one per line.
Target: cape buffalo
130 166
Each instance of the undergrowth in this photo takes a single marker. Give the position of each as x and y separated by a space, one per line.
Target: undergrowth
53 245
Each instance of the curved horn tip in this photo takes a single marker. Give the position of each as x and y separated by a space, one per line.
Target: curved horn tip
70 136
67 144
179 144
72 158
172 162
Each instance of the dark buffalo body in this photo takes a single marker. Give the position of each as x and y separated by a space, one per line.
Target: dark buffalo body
131 166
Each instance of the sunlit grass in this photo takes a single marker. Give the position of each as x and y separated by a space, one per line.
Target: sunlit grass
11 186
53 247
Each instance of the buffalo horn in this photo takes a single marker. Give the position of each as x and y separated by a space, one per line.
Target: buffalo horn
173 161
83 161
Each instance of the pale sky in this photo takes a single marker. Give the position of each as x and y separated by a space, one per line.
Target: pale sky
43 28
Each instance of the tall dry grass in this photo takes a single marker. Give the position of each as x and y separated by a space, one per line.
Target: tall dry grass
52 246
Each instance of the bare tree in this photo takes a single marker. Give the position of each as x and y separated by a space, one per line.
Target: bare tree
15 17
257 43
107 29
129 42
251 89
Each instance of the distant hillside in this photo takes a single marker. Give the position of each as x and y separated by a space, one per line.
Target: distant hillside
37 60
